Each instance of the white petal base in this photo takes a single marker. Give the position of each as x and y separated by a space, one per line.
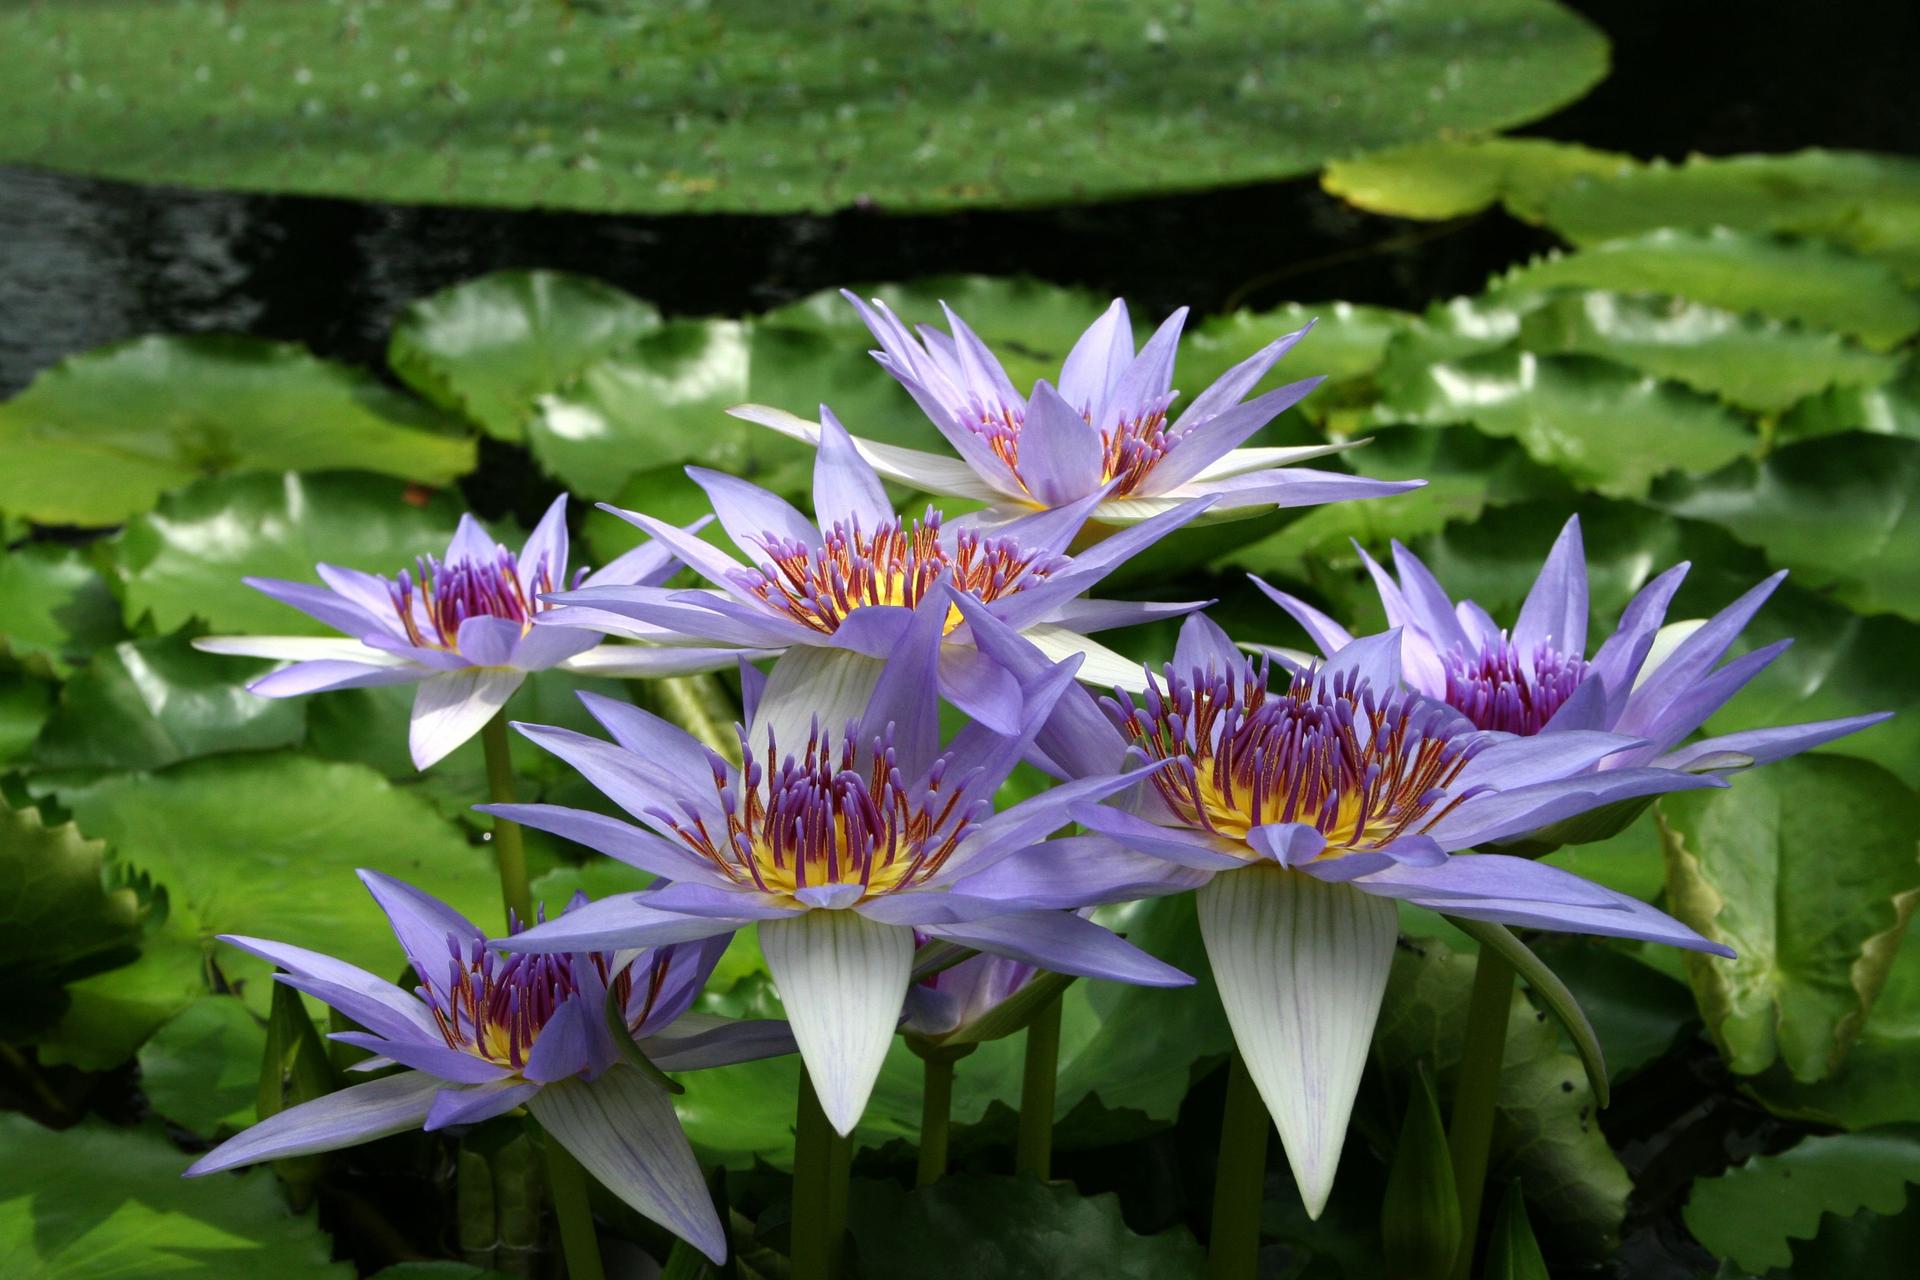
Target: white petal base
1301 966
843 979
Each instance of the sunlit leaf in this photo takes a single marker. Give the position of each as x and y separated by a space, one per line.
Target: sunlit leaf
1808 870
765 107
101 436
202 1069
1449 177
55 608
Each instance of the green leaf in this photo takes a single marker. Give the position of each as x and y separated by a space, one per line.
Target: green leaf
488 348
1748 360
25 703
1548 1135
202 1069
1868 202
764 107
1009 1228
110 1015
1819 285
1639 1012
1347 345
1842 512
1547 990
101 436
145 704
266 845
1512 1252
1450 177
55 608
1750 1213
1605 426
59 917
1892 409
1420 1213
184 561
97 1203
294 1069
1807 869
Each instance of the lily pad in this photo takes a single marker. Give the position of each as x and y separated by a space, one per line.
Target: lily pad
1450 177
94 1202
267 844
1605 426
185 560
488 348
1016 1228
25 703
1748 360
202 1070
1842 512
1816 921
101 436
1819 285
762 106
1750 1212
146 704
55 608
1892 409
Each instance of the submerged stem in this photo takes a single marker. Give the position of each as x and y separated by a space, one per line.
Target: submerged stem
1239 1180
1470 1135
1033 1150
820 1166
936 1109
509 849
568 1183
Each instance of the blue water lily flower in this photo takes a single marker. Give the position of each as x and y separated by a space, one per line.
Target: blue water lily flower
839 846
1301 811
1652 682
487 1031
850 582
1105 430
460 627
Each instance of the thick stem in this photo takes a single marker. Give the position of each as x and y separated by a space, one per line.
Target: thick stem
1239 1180
1475 1091
820 1165
1033 1151
936 1107
509 849
568 1183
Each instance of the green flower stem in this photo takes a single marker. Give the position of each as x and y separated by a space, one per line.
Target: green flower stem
568 1183
1240 1179
1470 1136
936 1110
1033 1151
820 1167
509 849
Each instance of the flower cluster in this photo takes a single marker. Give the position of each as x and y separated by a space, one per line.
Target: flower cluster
1300 800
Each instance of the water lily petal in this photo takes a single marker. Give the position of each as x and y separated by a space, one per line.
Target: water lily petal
1062 942
480 1102
359 1113
1060 454
1555 610
1329 635
452 706
846 490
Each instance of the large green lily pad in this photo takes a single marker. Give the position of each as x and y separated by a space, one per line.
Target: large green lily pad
101 436
761 105
1808 870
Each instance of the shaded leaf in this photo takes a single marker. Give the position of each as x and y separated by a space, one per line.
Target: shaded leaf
186 559
98 1202
1639 1012
145 704
488 348
1892 409
55 608
25 703
1605 426
765 107
99 437
1843 512
1807 869
1017 1228
1512 1252
1548 1135
1751 1212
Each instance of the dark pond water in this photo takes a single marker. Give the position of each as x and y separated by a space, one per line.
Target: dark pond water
85 262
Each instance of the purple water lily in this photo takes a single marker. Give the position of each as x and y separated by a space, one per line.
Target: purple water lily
943 1003
1654 683
838 846
487 1031
1102 432
462 628
1302 811
851 582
